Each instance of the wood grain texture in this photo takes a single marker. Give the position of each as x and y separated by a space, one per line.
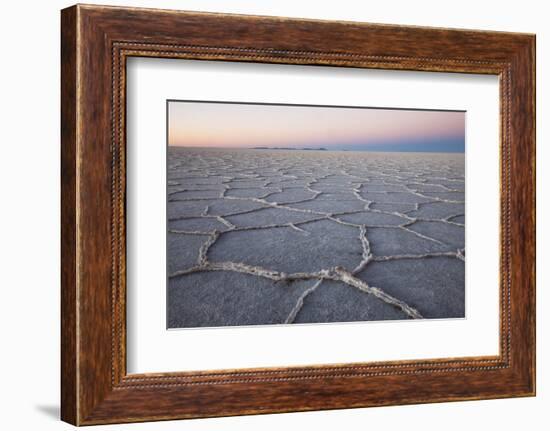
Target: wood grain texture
96 41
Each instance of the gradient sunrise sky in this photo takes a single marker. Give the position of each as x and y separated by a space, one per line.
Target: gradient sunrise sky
241 125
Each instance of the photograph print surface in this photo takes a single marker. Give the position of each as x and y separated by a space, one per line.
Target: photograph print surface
295 214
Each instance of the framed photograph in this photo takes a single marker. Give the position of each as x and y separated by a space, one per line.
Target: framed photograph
264 214
305 209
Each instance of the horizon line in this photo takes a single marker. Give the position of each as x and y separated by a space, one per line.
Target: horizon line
323 150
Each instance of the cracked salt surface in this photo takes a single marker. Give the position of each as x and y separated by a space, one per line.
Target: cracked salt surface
272 237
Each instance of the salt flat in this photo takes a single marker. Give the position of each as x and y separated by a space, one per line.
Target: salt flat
287 236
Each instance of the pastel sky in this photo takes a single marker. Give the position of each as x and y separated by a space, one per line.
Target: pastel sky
229 125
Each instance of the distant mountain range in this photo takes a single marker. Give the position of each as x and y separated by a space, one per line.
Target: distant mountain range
288 148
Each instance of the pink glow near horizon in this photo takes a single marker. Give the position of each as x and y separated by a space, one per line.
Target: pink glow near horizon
199 124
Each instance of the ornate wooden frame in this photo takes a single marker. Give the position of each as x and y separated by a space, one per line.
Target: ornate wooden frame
95 42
